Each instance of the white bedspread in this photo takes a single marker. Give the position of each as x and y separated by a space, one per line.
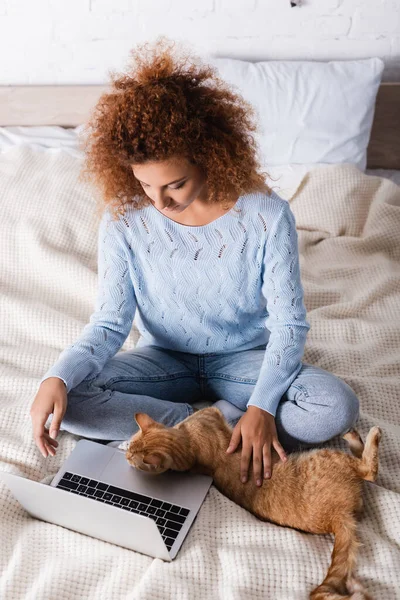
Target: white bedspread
349 237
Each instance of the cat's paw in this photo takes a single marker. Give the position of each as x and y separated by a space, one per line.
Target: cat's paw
377 433
357 590
124 445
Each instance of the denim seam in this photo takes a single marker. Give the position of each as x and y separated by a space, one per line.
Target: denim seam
301 389
231 378
154 378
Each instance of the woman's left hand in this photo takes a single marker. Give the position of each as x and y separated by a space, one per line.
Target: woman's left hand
257 430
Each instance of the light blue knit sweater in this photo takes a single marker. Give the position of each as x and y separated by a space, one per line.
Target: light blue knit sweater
230 285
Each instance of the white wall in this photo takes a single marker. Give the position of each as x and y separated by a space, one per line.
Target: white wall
77 41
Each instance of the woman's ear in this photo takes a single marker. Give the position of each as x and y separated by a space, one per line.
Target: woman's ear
144 421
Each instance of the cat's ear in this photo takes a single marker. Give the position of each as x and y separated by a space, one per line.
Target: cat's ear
144 421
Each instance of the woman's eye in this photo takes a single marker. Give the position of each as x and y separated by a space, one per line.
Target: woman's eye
175 188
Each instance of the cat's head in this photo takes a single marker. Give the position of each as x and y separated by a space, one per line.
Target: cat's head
155 448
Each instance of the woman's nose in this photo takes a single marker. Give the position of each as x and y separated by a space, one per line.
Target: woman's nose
161 202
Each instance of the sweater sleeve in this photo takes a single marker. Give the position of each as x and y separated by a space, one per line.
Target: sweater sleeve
112 319
286 321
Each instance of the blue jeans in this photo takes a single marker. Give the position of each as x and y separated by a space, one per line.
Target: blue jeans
164 384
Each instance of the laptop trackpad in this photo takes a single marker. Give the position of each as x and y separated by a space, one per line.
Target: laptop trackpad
171 486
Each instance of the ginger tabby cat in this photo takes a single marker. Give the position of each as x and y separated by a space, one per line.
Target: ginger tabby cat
318 491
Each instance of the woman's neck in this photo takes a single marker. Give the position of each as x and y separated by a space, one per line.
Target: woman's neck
199 213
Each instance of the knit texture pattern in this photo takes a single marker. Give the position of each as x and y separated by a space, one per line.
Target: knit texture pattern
348 225
232 284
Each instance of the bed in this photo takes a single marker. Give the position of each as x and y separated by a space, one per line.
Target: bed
350 264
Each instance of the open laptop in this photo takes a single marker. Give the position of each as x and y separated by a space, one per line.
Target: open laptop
98 493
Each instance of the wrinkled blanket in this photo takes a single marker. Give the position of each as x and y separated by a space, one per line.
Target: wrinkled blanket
349 240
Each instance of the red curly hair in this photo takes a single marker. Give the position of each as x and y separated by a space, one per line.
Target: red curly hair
166 107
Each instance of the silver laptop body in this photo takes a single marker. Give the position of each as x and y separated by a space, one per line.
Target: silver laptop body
98 493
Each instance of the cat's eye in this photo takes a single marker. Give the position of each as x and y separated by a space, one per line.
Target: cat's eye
152 461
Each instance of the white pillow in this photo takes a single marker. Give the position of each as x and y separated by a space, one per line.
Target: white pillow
285 179
308 112
43 137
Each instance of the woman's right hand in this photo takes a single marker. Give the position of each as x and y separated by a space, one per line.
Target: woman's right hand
50 399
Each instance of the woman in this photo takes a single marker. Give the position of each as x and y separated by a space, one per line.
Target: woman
194 241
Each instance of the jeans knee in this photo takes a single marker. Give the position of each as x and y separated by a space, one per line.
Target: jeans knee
346 409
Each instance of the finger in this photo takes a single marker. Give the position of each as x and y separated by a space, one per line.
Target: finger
235 438
50 440
50 448
38 421
245 461
279 449
56 421
257 464
49 443
267 460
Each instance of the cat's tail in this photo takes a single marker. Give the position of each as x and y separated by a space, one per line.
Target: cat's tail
367 465
339 583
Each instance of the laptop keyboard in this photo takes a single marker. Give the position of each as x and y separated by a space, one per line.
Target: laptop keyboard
169 517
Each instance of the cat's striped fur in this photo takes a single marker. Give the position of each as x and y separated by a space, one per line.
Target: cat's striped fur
318 491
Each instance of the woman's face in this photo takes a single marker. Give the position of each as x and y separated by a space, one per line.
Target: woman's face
171 185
